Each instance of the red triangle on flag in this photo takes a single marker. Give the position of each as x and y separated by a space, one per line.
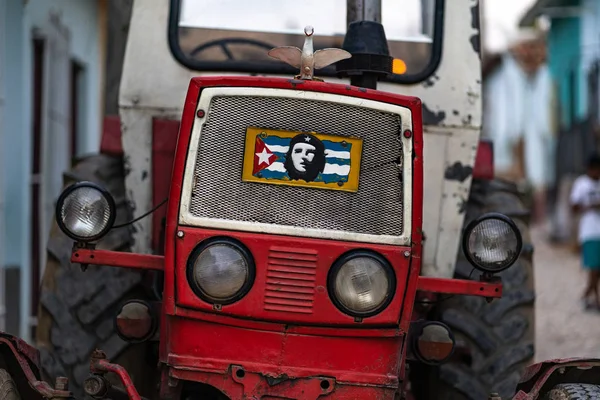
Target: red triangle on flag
263 157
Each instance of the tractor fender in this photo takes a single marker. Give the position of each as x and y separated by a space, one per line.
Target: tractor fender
22 363
540 378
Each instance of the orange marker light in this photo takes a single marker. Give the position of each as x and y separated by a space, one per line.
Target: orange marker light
398 66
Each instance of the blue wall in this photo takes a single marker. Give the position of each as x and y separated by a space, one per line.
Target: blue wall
20 20
564 60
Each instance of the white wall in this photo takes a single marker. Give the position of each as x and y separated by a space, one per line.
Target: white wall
81 18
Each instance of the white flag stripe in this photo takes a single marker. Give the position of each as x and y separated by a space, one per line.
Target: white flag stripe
329 168
277 149
337 154
277 166
336 169
328 153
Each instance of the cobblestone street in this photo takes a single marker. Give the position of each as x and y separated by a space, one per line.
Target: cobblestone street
563 328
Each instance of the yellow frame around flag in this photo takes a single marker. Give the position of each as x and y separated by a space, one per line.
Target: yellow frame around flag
355 157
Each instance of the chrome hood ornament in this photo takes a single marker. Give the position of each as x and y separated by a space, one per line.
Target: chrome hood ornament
307 60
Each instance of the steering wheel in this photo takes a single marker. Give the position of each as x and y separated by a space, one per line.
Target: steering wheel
223 43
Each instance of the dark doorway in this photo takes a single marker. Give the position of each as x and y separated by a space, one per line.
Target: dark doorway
77 72
39 48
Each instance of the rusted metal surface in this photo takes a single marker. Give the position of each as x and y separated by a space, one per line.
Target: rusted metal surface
62 383
100 365
239 383
118 259
541 377
26 355
95 386
460 286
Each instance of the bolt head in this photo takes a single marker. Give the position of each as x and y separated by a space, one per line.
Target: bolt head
180 234
62 383
407 254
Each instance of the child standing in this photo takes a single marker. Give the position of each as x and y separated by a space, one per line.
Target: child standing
585 199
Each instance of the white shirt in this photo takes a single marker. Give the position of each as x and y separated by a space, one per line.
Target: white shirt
585 192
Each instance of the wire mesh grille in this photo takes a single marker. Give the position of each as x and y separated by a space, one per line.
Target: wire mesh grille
219 192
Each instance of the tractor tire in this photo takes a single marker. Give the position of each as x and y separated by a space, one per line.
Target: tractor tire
574 391
77 309
498 336
8 388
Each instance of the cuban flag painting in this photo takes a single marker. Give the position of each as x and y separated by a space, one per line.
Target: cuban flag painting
305 159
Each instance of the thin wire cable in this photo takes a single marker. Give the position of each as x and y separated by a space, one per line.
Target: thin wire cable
162 203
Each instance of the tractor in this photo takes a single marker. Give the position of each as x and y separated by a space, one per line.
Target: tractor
331 230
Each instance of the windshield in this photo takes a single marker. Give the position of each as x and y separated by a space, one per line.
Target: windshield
235 35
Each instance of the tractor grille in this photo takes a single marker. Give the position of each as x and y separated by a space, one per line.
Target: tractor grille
291 280
376 208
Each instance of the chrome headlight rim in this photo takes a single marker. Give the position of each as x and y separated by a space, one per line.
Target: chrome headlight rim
337 266
111 206
238 246
469 230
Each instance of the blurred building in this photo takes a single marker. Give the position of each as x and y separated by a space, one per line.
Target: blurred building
573 59
52 63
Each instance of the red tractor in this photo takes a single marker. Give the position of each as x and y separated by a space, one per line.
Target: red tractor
319 301
291 252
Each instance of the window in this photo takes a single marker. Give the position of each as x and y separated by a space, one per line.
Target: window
235 35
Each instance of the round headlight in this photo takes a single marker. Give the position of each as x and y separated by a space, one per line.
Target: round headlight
220 271
85 211
492 243
361 284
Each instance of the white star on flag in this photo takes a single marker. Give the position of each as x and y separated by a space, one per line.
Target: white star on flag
263 157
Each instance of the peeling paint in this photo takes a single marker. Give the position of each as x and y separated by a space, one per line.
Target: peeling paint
458 172
428 83
455 112
462 206
144 175
295 82
432 118
126 165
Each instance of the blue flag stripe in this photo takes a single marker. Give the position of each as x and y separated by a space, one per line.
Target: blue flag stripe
326 178
329 145
330 160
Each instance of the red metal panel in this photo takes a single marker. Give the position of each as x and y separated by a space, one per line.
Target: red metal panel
15 351
187 122
332 331
318 309
460 286
371 360
111 136
118 259
484 160
164 142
